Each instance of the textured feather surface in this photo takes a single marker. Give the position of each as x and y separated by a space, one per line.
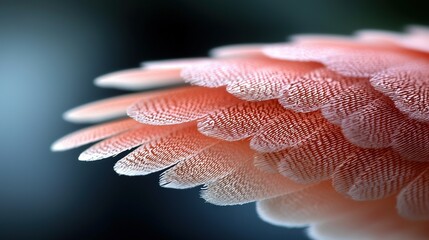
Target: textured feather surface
267 80
373 125
408 87
326 131
384 176
268 162
212 163
179 106
288 130
126 141
349 101
164 152
248 184
103 109
311 91
411 140
374 174
413 201
349 58
314 160
255 78
93 134
239 121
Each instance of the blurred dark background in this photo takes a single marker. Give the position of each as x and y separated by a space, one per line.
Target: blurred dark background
49 53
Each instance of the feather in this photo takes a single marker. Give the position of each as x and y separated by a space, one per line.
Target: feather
171 63
256 78
126 141
373 125
315 89
349 58
239 121
408 87
101 110
411 140
314 160
93 134
310 205
212 163
373 221
164 152
248 184
237 50
288 130
351 100
139 79
180 106
374 174
413 200
324 131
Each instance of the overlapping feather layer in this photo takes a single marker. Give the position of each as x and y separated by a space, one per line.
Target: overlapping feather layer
323 131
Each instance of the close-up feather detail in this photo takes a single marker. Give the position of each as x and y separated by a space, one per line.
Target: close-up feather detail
126 141
93 134
136 79
102 110
325 132
316 203
239 121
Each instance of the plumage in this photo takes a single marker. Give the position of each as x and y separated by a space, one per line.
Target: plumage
324 131
237 50
312 204
381 121
211 163
136 79
126 141
315 89
383 175
248 184
239 121
105 109
411 141
413 200
163 152
408 88
93 134
349 101
288 130
179 105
